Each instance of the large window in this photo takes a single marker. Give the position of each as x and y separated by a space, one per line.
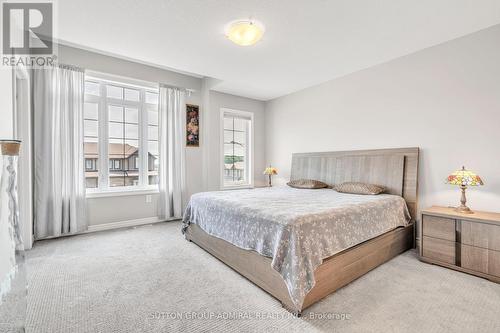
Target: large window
120 134
237 148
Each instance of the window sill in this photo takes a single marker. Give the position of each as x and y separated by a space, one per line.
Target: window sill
121 193
238 187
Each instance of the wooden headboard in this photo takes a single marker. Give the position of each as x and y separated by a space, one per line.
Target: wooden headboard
396 169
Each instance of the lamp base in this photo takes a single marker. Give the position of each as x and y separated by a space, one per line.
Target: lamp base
463 210
463 200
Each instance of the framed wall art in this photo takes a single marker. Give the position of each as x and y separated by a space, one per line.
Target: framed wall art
192 125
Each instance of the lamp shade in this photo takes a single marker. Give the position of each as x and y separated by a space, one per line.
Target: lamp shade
464 177
271 171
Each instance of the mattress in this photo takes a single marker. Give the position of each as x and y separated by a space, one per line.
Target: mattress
297 228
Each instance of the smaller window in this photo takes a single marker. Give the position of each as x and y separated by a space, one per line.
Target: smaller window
115 164
236 148
88 164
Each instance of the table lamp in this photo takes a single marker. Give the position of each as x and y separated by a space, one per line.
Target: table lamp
464 178
270 171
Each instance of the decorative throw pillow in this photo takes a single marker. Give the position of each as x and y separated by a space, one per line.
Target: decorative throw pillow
359 188
306 183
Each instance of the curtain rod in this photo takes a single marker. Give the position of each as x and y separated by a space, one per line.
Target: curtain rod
62 66
177 87
70 67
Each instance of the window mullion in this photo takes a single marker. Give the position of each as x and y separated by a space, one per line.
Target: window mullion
104 139
143 140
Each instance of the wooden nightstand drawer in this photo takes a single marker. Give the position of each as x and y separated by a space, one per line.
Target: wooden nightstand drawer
481 260
468 243
439 249
439 227
482 235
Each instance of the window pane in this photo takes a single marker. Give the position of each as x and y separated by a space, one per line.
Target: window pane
152 132
91 167
228 136
132 145
90 128
116 130
114 92
151 98
131 131
91 111
240 139
153 117
240 124
92 88
228 123
115 113
131 115
131 95
153 147
153 162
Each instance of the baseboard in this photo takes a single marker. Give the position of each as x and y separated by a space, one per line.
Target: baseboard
124 224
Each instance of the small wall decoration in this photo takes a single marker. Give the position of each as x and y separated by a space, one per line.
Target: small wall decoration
192 125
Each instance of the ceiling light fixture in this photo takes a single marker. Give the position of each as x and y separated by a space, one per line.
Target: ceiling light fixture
244 32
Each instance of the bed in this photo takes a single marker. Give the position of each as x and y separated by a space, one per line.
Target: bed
301 245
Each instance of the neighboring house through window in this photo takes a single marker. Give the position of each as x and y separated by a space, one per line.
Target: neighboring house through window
237 143
121 133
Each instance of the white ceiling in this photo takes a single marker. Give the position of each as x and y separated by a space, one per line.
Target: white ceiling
306 41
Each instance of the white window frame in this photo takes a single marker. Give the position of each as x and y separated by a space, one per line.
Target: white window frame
143 187
250 149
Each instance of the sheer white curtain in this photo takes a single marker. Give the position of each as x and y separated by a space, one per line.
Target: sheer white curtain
172 154
59 185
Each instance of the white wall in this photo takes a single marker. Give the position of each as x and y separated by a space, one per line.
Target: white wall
217 101
445 100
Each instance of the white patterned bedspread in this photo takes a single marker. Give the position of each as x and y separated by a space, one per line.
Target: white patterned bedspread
297 228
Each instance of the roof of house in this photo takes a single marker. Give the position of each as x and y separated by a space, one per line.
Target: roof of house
115 150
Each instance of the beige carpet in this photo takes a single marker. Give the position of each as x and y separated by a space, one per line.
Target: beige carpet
149 279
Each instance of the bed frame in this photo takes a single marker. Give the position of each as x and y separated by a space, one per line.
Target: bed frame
396 169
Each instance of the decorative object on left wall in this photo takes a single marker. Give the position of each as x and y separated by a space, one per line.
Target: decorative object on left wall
10 236
13 277
464 178
192 125
270 171
13 286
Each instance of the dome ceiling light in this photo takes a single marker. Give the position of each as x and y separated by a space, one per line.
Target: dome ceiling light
244 32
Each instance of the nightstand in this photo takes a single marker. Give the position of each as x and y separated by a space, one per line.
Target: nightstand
468 243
